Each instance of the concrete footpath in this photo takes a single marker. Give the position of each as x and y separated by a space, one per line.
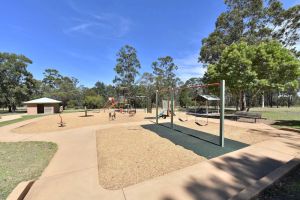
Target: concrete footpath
73 172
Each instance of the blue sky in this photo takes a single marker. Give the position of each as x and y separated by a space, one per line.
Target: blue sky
81 38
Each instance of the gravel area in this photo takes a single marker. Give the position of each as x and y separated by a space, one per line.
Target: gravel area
76 120
129 155
238 133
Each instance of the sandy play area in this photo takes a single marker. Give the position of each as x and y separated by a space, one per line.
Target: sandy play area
247 133
75 120
132 154
128 155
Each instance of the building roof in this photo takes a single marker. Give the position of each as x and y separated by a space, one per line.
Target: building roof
209 97
42 101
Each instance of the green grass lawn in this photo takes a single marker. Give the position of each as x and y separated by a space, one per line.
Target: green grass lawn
21 161
5 112
283 116
287 187
23 118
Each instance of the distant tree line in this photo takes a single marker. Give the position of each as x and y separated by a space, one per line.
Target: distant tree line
19 85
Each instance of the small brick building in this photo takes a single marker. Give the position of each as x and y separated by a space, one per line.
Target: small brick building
42 106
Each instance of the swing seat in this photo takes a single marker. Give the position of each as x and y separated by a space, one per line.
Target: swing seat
200 124
163 115
182 120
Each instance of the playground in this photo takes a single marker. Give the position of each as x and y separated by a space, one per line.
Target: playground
73 120
134 147
130 146
132 154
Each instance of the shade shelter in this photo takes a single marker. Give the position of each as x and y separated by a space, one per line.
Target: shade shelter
42 106
208 99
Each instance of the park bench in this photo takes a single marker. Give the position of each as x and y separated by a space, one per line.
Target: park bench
249 115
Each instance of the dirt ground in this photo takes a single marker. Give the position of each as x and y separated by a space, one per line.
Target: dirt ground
76 120
129 155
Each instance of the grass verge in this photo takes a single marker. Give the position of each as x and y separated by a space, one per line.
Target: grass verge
23 118
282 117
22 161
287 187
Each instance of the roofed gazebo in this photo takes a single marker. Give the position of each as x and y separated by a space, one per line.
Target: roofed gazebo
207 99
42 106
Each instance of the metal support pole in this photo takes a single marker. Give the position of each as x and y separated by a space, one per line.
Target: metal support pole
156 103
222 105
172 108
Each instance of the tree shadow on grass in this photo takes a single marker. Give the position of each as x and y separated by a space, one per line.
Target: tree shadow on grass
244 169
201 143
289 123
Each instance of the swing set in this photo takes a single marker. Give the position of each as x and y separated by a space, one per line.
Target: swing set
206 98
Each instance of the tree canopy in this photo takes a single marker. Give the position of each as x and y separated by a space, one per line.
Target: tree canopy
251 21
59 87
16 83
127 66
164 70
249 68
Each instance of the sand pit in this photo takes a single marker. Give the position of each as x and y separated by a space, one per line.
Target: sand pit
77 120
130 155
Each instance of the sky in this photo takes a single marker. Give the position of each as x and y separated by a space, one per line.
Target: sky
80 38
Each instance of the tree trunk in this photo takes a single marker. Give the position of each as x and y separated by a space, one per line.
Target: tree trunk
14 108
237 103
271 99
243 101
289 101
9 108
263 100
277 99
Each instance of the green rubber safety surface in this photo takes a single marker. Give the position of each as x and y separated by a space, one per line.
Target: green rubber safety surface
201 143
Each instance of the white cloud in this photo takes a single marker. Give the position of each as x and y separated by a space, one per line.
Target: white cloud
80 56
80 27
104 25
189 67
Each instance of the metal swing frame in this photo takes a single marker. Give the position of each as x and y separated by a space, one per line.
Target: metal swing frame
221 85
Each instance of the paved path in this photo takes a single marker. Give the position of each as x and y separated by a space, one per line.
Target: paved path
4 118
73 172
